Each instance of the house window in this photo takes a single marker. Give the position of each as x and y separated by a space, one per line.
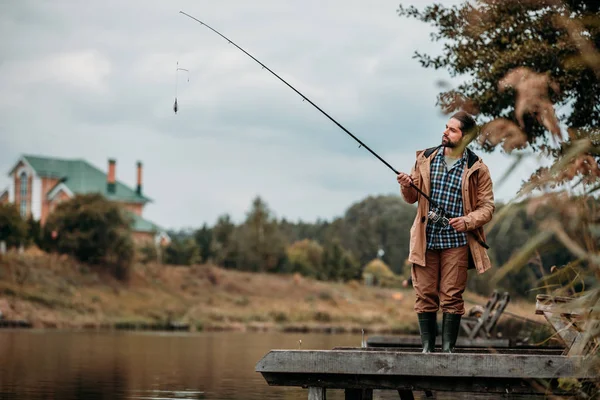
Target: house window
23 187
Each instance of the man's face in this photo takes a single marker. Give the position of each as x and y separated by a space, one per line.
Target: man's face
453 134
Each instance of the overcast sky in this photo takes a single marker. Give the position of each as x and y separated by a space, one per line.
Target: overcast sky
97 80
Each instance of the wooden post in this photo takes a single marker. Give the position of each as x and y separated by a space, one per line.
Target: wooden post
316 393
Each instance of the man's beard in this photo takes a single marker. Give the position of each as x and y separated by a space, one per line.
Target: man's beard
448 143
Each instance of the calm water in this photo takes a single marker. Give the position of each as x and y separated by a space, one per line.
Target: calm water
151 366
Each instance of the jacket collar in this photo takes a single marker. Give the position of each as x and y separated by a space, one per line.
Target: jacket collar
472 158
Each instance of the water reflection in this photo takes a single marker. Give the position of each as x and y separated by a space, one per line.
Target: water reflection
122 365
153 366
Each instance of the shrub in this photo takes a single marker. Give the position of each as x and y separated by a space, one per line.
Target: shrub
13 228
304 257
381 273
93 230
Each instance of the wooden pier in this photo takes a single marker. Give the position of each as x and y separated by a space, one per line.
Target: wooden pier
502 370
415 341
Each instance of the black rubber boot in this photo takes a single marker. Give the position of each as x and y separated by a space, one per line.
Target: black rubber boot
428 329
450 328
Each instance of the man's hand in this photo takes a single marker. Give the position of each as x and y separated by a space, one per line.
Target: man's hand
458 224
404 179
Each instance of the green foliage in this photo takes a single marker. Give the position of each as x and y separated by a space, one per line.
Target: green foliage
13 229
148 253
204 240
182 252
338 263
485 40
378 222
380 273
259 240
34 231
223 243
93 230
304 257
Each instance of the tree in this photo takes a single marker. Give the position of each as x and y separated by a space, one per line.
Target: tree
378 222
204 240
304 257
94 230
34 231
182 252
261 245
223 243
542 51
338 263
13 228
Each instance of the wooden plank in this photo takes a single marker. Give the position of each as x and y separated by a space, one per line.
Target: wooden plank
560 309
316 393
493 320
486 313
564 328
504 386
508 350
412 340
552 299
419 364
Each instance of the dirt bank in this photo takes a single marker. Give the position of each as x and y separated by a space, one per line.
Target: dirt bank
51 291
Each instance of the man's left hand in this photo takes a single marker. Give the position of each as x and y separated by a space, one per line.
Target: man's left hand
458 224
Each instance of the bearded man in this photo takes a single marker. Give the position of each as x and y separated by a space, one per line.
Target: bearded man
458 181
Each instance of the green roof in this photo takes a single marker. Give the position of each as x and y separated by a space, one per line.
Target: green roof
81 177
143 225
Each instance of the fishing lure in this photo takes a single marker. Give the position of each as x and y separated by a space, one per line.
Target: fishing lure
175 106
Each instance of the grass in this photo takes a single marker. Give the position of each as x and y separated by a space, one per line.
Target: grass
55 291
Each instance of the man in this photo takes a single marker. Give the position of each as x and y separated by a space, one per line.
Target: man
458 181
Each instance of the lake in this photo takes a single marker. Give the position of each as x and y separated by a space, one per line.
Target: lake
67 365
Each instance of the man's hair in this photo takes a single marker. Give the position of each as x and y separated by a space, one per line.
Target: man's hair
467 122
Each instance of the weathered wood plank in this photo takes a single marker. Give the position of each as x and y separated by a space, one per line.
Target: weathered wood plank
389 341
466 350
557 309
566 332
553 299
414 383
316 393
486 314
418 364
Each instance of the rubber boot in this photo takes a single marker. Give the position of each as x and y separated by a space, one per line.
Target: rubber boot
428 329
450 328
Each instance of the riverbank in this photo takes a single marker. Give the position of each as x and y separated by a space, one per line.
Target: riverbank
51 291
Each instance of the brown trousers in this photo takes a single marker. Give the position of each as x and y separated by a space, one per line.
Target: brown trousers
441 282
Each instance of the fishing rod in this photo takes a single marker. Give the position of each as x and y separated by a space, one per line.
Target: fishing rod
442 216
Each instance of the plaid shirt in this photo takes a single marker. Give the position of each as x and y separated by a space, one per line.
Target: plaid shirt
446 192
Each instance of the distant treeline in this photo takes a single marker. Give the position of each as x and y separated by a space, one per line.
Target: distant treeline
372 236
376 227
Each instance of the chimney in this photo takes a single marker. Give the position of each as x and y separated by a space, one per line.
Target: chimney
138 188
111 185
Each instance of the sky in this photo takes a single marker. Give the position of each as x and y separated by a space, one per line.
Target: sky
97 80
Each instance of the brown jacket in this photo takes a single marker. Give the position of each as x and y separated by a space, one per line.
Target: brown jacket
478 204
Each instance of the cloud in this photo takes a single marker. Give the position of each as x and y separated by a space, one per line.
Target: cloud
97 80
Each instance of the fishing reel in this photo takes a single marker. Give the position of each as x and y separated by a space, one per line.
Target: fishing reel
437 217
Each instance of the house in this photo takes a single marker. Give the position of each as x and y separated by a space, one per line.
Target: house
38 184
